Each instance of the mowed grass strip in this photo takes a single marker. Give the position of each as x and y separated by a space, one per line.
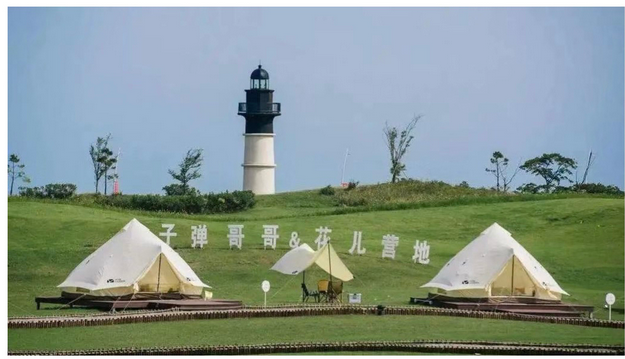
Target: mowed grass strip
305 329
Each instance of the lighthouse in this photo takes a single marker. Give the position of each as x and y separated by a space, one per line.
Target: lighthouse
259 110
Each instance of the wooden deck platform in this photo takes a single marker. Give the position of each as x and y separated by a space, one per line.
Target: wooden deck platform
543 308
109 304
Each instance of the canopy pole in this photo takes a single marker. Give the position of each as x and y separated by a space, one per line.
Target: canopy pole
330 260
512 281
158 282
303 284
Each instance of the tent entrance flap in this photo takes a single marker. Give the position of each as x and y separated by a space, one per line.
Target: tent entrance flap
513 280
160 278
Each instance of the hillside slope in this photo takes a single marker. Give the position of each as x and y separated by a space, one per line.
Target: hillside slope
579 240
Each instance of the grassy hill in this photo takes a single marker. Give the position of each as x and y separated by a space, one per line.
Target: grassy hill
579 239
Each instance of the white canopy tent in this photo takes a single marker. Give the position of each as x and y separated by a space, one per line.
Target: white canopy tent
134 260
494 265
297 260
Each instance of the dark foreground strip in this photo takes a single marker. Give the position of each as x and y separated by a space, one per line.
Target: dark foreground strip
425 346
291 311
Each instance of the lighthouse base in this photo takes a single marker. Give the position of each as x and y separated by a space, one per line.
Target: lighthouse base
259 167
259 179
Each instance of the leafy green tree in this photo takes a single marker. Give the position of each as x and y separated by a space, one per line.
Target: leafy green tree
398 143
188 170
499 169
107 163
552 167
98 153
16 170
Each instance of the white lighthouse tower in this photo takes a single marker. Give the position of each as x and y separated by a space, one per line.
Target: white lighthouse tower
259 110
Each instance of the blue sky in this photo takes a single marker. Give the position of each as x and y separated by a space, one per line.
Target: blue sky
162 81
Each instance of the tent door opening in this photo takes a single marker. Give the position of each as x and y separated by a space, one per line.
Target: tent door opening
513 281
160 278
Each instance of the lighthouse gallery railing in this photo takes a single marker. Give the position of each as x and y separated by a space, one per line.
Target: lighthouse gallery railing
245 107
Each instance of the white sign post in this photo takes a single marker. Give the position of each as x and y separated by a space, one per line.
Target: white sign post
610 299
265 287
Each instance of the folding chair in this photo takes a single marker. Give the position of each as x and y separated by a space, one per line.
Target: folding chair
322 287
308 294
335 291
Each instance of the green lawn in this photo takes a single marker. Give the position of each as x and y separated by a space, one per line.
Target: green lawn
578 240
305 329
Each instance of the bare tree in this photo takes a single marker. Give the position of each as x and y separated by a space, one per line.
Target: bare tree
499 169
589 163
398 143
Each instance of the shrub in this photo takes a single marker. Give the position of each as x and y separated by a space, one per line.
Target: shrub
351 185
52 190
464 184
60 190
597 188
327 191
176 189
226 202
32 192
529 188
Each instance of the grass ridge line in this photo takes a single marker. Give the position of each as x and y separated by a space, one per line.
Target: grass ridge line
394 206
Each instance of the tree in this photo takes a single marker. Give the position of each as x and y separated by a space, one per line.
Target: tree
16 170
552 167
97 153
107 163
499 169
589 163
398 143
189 169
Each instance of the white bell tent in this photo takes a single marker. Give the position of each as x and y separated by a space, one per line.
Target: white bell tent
297 260
495 265
134 260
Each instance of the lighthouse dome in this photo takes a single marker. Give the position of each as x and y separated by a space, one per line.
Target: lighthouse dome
259 74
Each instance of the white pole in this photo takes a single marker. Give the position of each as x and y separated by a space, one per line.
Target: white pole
344 163
265 299
609 311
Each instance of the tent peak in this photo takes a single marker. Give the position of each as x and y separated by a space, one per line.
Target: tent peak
495 228
134 223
